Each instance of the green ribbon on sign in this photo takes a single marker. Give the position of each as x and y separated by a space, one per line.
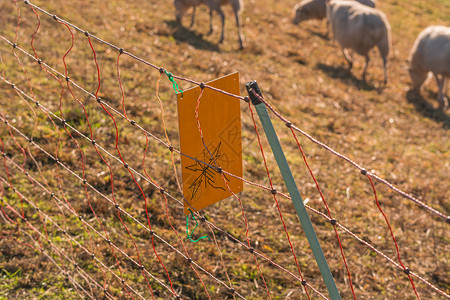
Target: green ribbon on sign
175 86
189 236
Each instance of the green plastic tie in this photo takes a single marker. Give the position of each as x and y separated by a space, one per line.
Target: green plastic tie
189 236
175 86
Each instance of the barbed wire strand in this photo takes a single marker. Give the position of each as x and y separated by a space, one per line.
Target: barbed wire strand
38 233
105 238
71 279
59 251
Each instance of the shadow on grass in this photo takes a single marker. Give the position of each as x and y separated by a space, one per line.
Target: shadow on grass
194 39
427 109
346 76
323 36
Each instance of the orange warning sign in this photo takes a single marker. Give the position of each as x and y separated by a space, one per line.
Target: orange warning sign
220 120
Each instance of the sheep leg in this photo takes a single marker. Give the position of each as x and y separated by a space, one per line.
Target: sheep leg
443 102
365 67
385 70
222 17
348 58
239 30
193 17
210 21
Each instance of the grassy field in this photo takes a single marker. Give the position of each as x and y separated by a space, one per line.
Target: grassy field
398 135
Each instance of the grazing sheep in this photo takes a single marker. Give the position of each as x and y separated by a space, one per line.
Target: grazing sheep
316 9
359 28
431 53
181 6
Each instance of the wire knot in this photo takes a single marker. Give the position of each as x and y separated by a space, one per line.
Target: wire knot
189 235
175 86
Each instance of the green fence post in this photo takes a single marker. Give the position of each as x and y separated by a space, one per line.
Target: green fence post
293 191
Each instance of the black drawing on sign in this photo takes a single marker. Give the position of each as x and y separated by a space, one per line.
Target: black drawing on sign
206 173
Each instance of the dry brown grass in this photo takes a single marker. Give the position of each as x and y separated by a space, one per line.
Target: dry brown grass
302 73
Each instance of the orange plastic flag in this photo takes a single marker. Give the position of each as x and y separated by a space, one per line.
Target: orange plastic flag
219 116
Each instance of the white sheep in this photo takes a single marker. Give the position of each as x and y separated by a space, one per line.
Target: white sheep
431 53
181 6
360 28
316 9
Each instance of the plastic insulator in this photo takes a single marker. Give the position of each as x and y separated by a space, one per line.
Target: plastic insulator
161 70
86 33
26 2
247 99
55 17
303 282
448 220
99 100
333 222
121 50
123 281
273 191
364 171
407 271
117 206
232 291
80 217
37 103
202 85
203 219
38 209
171 148
219 170
189 260
126 166
27 174
14 45
13 86
288 124
56 160
108 241
75 265
39 61
30 140
84 181
52 195
92 255
93 142
251 250
162 191
67 78
151 232
133 122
